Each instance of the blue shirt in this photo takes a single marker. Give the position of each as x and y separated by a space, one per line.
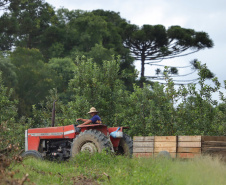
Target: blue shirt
96 119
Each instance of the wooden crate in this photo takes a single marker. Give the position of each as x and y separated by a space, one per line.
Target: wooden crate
143 138
187 155
143 146
165 143
165 138
189 138
189 150
179 146
214 145
188 146
213 138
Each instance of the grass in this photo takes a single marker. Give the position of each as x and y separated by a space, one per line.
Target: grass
107 169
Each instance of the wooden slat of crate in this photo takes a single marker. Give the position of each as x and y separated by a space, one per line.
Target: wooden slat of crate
165 144
188 150
144 144
142 154
143 138
214 144
173 155
168 149
213 138
189 138
189 144
187 155
143 150
165 138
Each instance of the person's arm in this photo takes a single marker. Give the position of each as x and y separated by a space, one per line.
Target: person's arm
86 121
80 119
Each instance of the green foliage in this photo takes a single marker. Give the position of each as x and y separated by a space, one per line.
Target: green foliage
92 85
8 72
26 22
64 71
149 112
53 68
164 110
34 78
8 25
96 86
10 132
99 54
8 109
219 121
96 34
152 110
90 30
42 116
197 112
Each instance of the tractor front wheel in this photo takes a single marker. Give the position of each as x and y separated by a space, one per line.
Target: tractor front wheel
32 154
91 141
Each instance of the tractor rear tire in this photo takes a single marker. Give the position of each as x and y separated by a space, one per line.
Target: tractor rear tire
91 141
32 154
125 146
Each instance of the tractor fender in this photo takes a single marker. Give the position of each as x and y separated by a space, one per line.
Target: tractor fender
115 141
100 127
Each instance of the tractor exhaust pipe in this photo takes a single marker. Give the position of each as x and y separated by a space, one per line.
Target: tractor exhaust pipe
53 114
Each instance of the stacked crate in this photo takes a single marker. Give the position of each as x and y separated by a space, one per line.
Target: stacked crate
165 143
179 146
188 146
214 145
147 146
143 146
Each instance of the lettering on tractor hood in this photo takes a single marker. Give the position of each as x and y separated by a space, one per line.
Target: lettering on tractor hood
52 133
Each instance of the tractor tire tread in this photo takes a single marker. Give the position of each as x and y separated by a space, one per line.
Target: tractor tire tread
126 143
32 153
94 135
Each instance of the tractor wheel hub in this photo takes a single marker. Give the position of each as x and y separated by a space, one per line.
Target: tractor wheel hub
89 147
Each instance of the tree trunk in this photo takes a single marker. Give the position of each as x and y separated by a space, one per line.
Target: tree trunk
142 78
142 67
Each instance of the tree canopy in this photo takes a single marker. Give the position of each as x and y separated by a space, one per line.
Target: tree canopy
155 43
25 23
34 78
85 58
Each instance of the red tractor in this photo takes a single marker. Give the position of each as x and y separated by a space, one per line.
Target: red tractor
61 143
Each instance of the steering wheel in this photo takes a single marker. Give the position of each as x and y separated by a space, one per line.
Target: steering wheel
77 123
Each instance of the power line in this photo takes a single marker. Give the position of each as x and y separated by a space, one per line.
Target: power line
169 66
179 83
170 76
193 80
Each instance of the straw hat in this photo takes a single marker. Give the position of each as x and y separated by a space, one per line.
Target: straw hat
93 109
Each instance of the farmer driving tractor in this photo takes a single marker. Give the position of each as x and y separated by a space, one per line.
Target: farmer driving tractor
64 142
94 120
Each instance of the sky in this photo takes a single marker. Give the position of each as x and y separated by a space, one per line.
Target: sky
201 15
